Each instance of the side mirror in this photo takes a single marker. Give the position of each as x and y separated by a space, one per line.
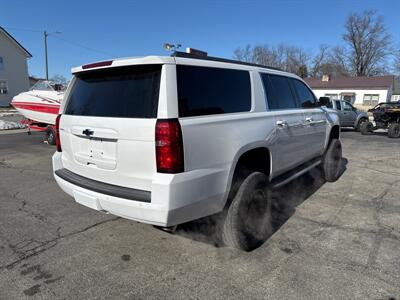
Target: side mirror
324 101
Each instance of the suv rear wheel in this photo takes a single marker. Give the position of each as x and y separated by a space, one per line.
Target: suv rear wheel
248 220
331 162
394 130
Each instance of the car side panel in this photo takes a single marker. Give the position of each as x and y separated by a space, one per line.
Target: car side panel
214 142
315 126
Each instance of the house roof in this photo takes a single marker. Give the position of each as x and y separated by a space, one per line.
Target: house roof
361 82
28 55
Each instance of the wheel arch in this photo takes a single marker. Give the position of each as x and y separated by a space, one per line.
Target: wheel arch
251 158
359 118
334 133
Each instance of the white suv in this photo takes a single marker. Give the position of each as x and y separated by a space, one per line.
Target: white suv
166 140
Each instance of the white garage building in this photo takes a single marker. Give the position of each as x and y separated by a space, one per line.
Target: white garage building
366 91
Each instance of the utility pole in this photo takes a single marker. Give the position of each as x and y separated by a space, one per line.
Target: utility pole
46 34
45 54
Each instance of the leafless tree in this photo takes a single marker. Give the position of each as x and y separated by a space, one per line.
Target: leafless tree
366 50
319 60
59 79
396 63
336 63
296 60
368 44
244 54
289 58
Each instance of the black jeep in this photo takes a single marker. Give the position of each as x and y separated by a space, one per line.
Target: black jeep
386 116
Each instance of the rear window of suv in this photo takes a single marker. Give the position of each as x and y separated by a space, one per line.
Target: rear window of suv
208 91
125 92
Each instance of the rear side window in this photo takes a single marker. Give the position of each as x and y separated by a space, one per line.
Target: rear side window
208 91
125 92
279 92
305 96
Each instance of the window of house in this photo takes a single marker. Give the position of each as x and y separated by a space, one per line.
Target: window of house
351 97
279 92
3 87
332 96
370 99
1 63
209 91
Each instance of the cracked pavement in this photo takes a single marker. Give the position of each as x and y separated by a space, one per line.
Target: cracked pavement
332 240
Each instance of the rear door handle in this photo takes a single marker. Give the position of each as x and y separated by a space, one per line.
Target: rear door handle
281 123
310 121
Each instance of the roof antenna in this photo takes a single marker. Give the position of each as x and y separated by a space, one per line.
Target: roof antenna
171 47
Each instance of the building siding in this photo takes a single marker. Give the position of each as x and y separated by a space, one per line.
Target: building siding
384 94
15 70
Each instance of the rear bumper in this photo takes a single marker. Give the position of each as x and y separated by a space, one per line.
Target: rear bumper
174 198
104 188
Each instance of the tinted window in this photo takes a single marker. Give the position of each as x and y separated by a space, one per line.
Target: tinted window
207 91
305 96
128 92
338 105
278 91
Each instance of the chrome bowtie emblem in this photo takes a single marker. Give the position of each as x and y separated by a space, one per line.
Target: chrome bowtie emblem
88 132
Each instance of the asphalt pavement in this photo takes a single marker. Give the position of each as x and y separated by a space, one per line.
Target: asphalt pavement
333 240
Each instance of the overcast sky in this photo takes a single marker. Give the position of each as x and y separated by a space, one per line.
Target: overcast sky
95 30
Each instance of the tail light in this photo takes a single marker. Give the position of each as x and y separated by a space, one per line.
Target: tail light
169 146
58 142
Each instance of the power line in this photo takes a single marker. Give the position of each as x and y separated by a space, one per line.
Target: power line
82 46
21 29
62 39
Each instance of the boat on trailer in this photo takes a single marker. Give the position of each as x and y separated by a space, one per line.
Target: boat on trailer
40 106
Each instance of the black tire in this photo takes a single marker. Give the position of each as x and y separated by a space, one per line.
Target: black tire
366 128
394 130
331 163
51 136
359 124
247 222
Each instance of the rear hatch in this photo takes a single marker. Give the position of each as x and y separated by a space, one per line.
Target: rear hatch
108 124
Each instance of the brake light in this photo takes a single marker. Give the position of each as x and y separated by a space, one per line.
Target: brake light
97 64
169 146
58 142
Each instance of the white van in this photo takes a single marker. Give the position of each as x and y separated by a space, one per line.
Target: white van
166 140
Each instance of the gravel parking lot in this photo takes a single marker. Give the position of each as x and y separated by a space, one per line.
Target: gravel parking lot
333 240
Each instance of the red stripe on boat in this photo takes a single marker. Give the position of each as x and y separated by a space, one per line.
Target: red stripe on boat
45 108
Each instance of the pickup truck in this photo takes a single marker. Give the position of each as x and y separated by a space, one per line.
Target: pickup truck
349 116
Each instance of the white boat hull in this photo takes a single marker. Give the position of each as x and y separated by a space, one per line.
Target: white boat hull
37 116
39 106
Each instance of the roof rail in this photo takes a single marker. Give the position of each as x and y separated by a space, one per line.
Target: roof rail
225 60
